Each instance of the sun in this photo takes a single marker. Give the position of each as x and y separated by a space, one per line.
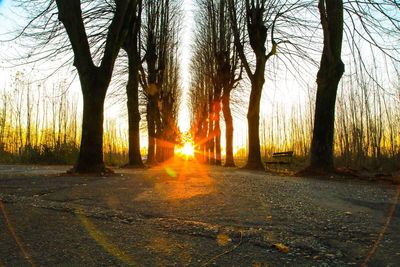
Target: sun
188 150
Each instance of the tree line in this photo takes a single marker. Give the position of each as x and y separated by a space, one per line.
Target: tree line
239 40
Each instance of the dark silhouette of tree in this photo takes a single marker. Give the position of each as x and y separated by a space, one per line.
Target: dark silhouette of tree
328 77
132 47
370 22
203 84
94 79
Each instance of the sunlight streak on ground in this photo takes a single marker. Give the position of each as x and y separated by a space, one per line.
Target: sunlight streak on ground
16 238
102 240
389 217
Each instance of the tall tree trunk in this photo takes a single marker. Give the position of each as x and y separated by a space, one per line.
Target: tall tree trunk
151 129
253 121
229 161
257 35
132 91
328 78
211 142
217 132
131 46
91 150
152 95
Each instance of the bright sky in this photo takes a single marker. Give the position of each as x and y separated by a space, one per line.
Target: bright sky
187 34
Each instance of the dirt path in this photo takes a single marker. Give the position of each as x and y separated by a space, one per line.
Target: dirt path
186 214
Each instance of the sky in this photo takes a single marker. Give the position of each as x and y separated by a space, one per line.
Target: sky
186 43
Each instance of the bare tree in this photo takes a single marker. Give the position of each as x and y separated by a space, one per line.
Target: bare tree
93 50
94 79
328 77
263 18
371 22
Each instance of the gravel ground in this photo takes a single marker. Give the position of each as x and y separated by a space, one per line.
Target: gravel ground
186 214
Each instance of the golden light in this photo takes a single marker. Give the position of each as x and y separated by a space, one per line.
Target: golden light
188 150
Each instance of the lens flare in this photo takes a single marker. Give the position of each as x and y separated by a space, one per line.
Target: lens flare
188 150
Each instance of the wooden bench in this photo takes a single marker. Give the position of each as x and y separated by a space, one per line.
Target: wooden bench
288 155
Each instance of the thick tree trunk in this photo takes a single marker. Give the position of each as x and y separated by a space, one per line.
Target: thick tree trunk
229 161
132 91
253 118
328 78
132 88
91 151
322 143
161 150
151 129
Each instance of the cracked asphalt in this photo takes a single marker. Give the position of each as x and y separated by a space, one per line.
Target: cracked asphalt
182 213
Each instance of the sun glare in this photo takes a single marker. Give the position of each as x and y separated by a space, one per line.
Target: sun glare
188 150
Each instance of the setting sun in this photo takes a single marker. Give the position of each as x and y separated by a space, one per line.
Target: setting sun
187 150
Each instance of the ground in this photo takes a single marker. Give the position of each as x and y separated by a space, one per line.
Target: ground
186 214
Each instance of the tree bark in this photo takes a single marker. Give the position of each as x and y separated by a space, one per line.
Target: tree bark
152 102
131 46
132 91
328 78
229 161
217 130
257 35
151 129
91 150
253 119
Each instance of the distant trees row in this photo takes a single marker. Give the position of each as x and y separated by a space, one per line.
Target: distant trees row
289 29
39 123
33 127
215 72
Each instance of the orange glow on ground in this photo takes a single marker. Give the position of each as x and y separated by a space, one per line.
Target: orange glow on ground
179 179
